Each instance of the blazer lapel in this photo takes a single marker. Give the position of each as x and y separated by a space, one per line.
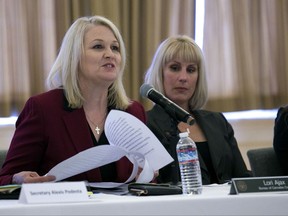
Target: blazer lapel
213 135
78 129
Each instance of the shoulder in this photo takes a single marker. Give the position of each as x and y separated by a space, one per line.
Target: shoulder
47 100
157 113
41 106
55 94
212 118
281 123
137 109
282 114
208 113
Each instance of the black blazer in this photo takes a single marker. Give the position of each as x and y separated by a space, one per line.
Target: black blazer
280 140
225 154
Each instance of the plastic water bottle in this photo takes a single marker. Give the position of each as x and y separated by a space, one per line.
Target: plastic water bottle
189 165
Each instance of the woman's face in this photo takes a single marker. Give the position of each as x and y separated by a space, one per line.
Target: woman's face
179 81
101 60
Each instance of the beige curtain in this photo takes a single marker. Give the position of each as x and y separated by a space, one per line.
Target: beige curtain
245 45
27 50
30 40
143 24
246 49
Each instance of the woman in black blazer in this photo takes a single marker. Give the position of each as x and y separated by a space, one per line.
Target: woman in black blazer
178 72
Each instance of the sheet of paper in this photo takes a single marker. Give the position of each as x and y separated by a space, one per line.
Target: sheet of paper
129 137
86 160
129 133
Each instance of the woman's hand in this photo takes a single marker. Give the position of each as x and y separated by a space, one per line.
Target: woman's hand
30 177
156 174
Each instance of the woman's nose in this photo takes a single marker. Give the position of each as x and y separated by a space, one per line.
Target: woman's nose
108 53
183 76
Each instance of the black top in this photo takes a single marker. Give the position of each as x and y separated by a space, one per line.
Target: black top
108 171
203 150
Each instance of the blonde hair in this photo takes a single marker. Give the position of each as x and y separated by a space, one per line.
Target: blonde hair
184 48
64 72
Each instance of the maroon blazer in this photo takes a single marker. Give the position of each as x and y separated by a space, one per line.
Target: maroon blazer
48 132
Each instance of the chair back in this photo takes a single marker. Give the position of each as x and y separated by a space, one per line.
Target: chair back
264 162
2 157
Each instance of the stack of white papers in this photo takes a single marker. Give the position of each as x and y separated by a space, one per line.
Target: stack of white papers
127 136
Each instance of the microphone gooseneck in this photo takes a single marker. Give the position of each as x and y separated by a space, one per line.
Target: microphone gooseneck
170 107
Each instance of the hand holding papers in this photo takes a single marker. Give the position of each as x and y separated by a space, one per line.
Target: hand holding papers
129 137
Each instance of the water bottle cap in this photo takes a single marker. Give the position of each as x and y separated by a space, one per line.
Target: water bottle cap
184 134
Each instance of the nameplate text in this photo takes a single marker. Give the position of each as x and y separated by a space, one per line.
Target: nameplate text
57 192
259 184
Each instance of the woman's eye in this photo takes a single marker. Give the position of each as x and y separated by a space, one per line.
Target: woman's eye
98 46
175 67
191 69
115 48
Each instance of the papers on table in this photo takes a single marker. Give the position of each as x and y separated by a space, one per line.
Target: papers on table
10 191
128 136
6 189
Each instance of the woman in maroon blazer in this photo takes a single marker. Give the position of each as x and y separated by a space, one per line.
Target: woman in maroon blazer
85 83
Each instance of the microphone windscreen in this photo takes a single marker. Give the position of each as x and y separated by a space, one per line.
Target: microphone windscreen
144 89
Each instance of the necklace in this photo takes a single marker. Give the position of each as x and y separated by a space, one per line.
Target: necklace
96 126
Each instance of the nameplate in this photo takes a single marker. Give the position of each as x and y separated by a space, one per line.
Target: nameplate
259 184
57 192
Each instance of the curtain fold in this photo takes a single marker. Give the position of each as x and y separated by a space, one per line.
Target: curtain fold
245 46
143 25
26 52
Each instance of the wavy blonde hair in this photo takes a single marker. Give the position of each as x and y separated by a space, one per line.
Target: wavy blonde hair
65 71
184 48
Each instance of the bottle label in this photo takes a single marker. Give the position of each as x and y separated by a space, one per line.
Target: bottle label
187 155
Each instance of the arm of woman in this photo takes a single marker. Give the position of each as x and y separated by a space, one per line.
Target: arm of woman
280 139
239 166
30 177
27 145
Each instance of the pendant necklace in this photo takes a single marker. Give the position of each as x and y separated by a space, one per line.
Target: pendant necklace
96 127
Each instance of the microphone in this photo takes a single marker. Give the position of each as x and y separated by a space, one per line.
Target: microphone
170 107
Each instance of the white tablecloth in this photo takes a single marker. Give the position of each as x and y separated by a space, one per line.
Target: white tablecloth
215 200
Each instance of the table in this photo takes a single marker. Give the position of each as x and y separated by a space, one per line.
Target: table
215 200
